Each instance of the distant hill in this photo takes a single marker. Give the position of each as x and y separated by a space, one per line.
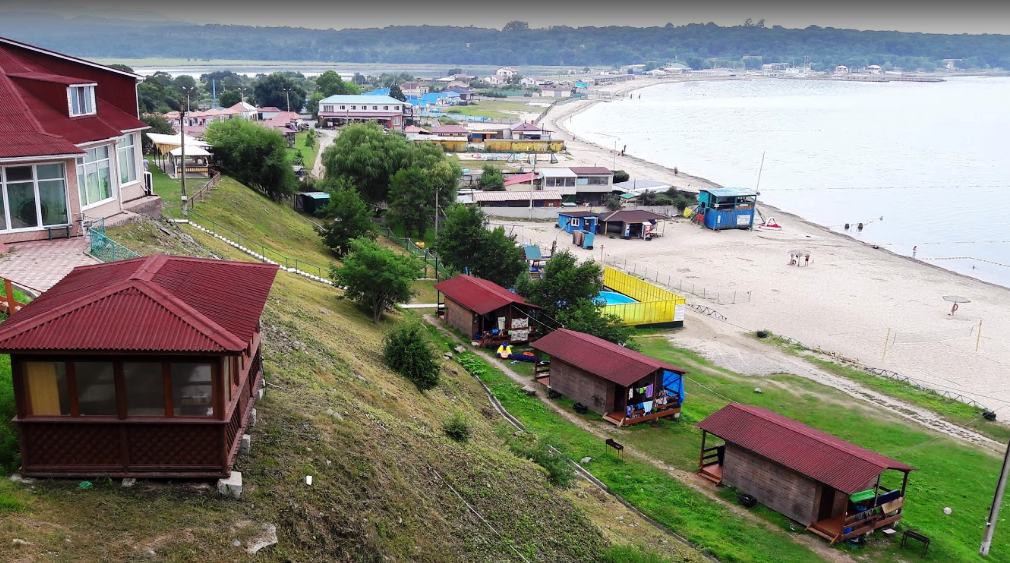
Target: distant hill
698 45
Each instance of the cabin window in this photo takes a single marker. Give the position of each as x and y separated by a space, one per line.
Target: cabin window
354 107
145 389
343 107
46 384
127 156
191 390
96 389
94 177
375 107
385 107
81 100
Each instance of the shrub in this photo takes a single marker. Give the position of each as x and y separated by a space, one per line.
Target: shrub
10 453
409 354
621 176
457 427
559 472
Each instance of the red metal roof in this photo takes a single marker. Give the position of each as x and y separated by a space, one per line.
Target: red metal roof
480 296
520 179
807 451
524 126
34 112
600 357
154 304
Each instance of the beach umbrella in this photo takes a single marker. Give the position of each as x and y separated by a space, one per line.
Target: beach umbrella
955 299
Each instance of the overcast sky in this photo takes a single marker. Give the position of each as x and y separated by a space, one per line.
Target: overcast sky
934 16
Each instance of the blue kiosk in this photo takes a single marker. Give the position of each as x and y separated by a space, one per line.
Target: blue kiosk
727 208
571 221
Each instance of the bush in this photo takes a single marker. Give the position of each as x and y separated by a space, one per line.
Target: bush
409 354
457 427
10 452
621 176
559 472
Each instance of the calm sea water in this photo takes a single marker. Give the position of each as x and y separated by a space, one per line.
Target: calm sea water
919 164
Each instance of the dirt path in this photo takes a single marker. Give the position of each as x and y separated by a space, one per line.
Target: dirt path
691 479
727 347
326 138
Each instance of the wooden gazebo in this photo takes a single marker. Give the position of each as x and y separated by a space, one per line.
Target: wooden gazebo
831 486
141 368
624 386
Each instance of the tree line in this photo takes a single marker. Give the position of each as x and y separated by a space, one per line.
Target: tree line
516 44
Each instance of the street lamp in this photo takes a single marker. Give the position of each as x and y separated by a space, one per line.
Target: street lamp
182 145
287 97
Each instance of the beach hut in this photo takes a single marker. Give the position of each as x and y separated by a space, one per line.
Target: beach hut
571 221
140 368
631 223
831 486
486 311
624 386
727 208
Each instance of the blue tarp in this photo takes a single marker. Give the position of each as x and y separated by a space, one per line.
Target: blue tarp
674 382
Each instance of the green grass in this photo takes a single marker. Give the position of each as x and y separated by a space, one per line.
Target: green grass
309 154
497 109
951 410
10 453
170 190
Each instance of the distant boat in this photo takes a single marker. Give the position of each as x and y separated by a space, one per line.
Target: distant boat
770 225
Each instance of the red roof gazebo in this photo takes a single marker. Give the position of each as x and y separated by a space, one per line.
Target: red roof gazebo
141 368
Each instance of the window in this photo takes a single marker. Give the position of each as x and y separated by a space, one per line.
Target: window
191 390
354 107
343 107
145 388
35 195
46 383
81 100
375 107
94 179
127 156
576 222
96 388
396 108
385 107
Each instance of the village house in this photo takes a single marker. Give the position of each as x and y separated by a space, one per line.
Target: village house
529 131
341 110
506 72
554 92
140 368
624 386
524 182
483 310
831 486
630 223
465 94
413 89
495 80
69 144
593 184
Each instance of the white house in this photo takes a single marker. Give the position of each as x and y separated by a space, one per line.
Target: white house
495 80
69 144
413 89
506 72
841 69
341 110
527 81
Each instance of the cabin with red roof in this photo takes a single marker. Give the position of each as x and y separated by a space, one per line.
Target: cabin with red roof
624 386
69 144
485 311
141 368
831 486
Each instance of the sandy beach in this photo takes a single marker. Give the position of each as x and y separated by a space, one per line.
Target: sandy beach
849 300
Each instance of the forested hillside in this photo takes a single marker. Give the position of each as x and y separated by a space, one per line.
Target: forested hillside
517 44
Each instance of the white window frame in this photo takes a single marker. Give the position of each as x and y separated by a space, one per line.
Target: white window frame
343 107
576 222
113 177
38 197
89 99
375 108
132 148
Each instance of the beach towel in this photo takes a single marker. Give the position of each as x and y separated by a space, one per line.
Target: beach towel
648 406
648 392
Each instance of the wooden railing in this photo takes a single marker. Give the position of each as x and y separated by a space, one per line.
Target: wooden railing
859 524
204 192
709 456
9 305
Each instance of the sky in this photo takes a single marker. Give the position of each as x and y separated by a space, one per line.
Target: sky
930 16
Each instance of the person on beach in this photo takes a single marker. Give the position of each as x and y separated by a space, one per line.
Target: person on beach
914 250
674 170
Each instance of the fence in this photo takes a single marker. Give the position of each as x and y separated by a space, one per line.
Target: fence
429 257
681 287
656 306
103 247
204 192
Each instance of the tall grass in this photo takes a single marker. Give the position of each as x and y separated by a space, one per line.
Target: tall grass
10 453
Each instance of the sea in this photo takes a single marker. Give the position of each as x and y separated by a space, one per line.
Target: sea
922 166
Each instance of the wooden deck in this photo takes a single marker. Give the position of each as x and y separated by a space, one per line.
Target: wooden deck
620 419
844 526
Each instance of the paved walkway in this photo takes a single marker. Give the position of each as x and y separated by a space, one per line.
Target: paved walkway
39 265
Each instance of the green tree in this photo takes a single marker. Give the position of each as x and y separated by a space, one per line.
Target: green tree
122 67
454 71
229 98
367 158
412 202
396 93
376 277
312 105
408 352
253 155
465 242
491 178
515 27
277 89
347 217
329 84
568 293
621 176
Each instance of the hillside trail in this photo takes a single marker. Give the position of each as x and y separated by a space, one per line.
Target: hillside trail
326 138
691 479
728 346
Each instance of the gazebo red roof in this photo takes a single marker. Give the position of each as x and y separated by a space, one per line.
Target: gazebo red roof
599 357
480 296
807 451
154 304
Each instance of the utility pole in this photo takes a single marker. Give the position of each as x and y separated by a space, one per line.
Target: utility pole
990 524
287 97
182 146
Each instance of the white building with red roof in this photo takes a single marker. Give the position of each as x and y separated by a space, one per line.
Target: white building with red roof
69 143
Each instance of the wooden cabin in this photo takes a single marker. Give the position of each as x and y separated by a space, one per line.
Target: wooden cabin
624 386
831 486
140 368
630 223
486 311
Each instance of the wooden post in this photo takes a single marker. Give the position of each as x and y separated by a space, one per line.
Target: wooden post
876 489
9 298
701 456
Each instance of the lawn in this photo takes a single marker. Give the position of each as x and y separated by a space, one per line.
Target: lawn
497 109
309 154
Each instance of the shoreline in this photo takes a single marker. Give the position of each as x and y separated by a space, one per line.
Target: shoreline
849 300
